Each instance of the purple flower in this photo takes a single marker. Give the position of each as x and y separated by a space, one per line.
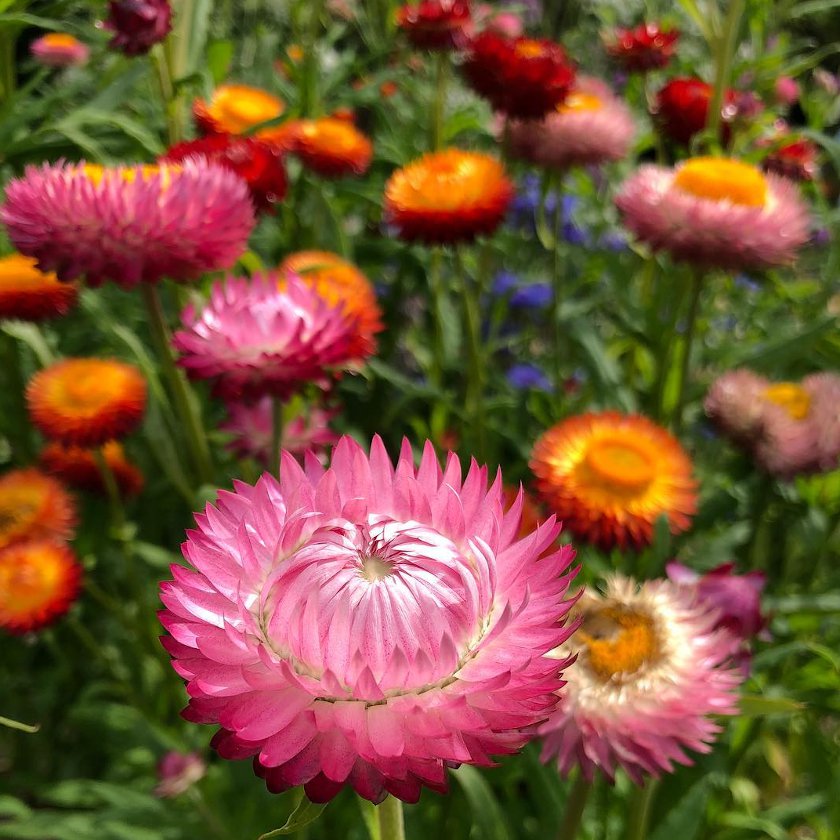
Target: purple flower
526 376
504 282
534 296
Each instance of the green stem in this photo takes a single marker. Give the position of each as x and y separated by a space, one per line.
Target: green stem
637 828
437 292
196 438
113 492
309 104
557 297
161 55
15 420
724 55
575 805
439 101
390 816
8 76
474 391
276 434
695 291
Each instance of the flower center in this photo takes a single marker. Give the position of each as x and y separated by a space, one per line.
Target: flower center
375 568
580 102
89 389
620 463
793 398
95 173
59 39
618 641
16 516
28 583
528 48
721 179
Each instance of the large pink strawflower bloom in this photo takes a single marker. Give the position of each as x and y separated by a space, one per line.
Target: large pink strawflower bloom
651 670
253 339
129 224
715 213
591 126
367 625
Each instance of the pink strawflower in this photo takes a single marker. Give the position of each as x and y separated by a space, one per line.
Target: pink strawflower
507 24
591 127
366 625
253 339
251 427
59 49
650 672
786 90
178 772
715 213
129 224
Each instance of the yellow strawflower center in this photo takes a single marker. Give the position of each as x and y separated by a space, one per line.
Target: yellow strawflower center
18 510
619 464
96 173
618 641
580 102
794 399
29 585
529 49
59 39
722 179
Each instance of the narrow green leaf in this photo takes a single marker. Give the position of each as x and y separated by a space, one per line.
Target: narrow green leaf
812 7
488 817
305 813
31 335
753 705
685 819
21 727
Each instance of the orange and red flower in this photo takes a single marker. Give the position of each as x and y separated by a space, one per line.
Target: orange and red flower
34 506
235 109
39 581
647 47
436 24
86 402
32 295
332 147
522 77
339 281
448 196
610 476
77 466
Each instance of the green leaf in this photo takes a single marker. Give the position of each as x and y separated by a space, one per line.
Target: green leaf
753 705
685 819
488 818
305 813
31 335
821 602
812 7
219 57
154 555
21 727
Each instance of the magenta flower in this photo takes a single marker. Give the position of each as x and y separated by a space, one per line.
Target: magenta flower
251 428
715 213
253 339
650 672
129 225
367 625
138 24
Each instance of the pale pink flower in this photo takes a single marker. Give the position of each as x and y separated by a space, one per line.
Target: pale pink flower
129 224
178 772
368 625
59 49
651 671
592 126
508 24
715 232
254 338
251 428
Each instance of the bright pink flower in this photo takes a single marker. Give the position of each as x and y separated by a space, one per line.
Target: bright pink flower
58 49
592 126
251 427
716 213
651 671
786 90
130 224
506 24
138 24
253 339
366 625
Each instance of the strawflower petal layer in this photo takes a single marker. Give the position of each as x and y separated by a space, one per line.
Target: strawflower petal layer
34 506
77 467
332 147
32 295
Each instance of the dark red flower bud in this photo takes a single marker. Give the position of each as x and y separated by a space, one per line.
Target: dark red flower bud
138 24
647 47
682 108
436 24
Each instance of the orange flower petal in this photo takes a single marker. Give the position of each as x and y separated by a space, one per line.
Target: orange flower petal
30 294
77 467
34 506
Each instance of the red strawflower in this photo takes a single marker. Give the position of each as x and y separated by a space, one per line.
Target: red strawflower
522 77
647 47
259 163
796 160
76 466
436 24
138 24
682 108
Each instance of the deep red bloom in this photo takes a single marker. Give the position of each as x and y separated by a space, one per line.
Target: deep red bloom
682 108
436 24
796 160
259 163
647 47
138 24
523 77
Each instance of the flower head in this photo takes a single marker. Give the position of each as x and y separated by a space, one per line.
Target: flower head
332 147
59 49
436 24
77 467
651 670
34 506
791 157
86 402
338 281
251 430
235 109
522 77
592 126
138 24
647 47
368 625
259 163
681 108
39 581
129 225
32 295
610 476
252 338
448 196
178 772
715 213
525 376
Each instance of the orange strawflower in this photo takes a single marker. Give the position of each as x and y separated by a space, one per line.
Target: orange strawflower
86 402
34 506
77 467
32 295
339 281
38 583
610 476
448 196
332 147
234 109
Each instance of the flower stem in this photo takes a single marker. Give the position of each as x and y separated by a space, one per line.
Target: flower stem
695 291
390 816
196 438
724 55
637 828
575 805
557 296
113 492
276 433
439 101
